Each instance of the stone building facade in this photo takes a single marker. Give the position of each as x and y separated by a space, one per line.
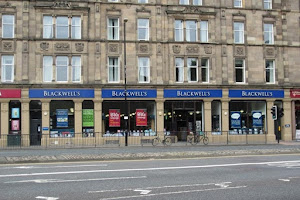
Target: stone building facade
191 66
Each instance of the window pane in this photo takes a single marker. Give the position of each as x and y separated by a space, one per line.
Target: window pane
144 71
204 31
8 26
62 27
143 29
76 28
238 32
47 71
179 69
191 31
113 73
113 29
76 68
197 2
62 68
7 68
178 30
48 27
204 70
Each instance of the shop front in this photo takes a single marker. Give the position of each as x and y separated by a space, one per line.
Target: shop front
295 96
250 112
10 117
136 116
65 113
191 111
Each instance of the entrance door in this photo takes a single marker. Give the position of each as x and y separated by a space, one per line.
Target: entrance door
35 132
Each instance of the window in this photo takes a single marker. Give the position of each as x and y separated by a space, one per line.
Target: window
76 68
178 30
143 29
179 65
204 31
184 2
270 71
76 28
267 4
113 29
238 3
143 1
144 70
62 72
47 68
62 27
113 0
238 32
192 64
239 71
197 2
268 34
7 68
113 70
204 70
8 22
191 31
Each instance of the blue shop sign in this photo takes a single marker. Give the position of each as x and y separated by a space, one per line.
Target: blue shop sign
132 93
256 93
61 93
171 93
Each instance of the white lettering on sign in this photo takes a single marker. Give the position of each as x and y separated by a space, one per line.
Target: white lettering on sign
192 94
62 94
114 115
257 94
129 94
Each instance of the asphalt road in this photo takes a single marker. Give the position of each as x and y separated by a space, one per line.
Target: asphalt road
245 177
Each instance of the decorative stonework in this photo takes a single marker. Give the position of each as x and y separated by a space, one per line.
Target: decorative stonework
143 9
270 52
98 48
192 49
176 49
61 4
143 48
224 51
113 48
208 49
25 46
159 49
44 46
239 51
62 47
79 47
7 46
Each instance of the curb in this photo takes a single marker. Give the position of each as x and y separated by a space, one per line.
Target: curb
142 156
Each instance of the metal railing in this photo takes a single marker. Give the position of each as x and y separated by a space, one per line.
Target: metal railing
97 139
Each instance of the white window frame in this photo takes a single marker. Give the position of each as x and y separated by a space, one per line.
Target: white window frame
113 29
6 25
116 66
179 30
45 33
239 32
144 27
76 68
243 70
60 26
113 0
238 3
58 71
184 2
268 4
269 35
4 66
204 31
190 67
45 65
179 67
271 72
76 27
206 68
189 30
141 67
143 1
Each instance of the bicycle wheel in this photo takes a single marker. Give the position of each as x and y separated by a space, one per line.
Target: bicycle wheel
194 140
168 141
205 140
155 141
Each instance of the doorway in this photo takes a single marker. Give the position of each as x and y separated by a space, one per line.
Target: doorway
35 123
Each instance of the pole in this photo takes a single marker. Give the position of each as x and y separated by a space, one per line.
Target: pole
126 116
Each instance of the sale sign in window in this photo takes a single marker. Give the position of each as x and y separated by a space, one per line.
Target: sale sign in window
114 117
141 117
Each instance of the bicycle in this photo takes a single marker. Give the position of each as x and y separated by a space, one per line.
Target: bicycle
167 141
196 138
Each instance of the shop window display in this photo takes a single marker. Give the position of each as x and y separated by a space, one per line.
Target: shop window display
141 118
88 119
216 117
62 119
247 117
15 117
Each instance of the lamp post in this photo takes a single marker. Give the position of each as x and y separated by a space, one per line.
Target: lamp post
126 117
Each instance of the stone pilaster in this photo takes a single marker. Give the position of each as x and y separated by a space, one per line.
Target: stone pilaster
271 138
207 116
78 117
25 122
45 121
286 121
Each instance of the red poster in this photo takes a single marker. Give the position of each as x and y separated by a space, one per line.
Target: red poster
10 93
141 117
295 93
114 118
15 125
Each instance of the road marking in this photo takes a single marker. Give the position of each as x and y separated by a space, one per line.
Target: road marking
144 169
47 198
162 187
49 167
285 180
77 180
170 193
143 191
288 165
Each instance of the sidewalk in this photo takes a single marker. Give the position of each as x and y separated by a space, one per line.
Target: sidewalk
138 153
